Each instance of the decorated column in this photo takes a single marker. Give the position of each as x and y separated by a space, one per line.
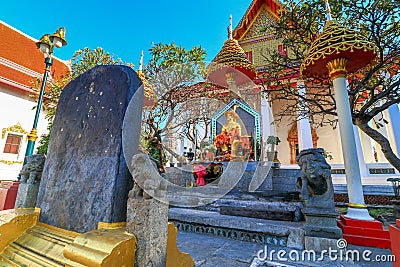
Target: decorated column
303 124
337 51
266 123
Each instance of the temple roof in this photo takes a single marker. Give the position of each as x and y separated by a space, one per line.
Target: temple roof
247 20
231 56
21 62
337 41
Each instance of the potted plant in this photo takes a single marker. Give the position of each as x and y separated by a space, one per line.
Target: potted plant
272 142
396 201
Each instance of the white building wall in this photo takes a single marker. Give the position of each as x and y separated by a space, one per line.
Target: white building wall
16 108
329 140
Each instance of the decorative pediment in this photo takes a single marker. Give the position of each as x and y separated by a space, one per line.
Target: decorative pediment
259 27
257 11
17 128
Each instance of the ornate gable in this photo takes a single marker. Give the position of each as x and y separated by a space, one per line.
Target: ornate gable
268 7
259 27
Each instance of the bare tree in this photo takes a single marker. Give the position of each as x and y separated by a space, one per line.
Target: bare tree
372 90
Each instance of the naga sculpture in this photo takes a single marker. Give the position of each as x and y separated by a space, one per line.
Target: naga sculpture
315 181
147 181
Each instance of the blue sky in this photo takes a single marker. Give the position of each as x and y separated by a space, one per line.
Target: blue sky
124 28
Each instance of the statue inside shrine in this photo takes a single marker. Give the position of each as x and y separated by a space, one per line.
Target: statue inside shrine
230 143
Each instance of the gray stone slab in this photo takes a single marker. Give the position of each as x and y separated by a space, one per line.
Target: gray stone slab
85 178
212 251
285 180
292 230
319 243
27 195
272 210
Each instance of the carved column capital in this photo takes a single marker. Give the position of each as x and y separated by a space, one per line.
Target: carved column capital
337 68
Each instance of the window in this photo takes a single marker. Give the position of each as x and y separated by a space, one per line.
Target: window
13 143
249 56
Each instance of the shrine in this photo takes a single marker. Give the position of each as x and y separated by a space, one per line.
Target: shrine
236 132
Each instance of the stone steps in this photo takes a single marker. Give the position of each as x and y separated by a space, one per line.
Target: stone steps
288 234
269 209
40 245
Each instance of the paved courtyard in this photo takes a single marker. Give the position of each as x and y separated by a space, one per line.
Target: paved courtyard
212 251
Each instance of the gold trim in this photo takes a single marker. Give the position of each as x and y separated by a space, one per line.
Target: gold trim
115 225
230 76
357 206
100 248
337 68
14 223
263 7
17 128
231 55
11 162
175 257
32 136
61 230
334 40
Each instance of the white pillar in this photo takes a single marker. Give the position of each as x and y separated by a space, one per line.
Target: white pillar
303 124
360 153
357 209
393 117
266 120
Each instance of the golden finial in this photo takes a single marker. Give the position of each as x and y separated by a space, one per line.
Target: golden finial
328 11
230 31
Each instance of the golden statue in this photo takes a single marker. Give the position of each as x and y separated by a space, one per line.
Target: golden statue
234 131
229 139
232 128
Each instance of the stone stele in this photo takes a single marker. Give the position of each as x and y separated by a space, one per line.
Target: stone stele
85 179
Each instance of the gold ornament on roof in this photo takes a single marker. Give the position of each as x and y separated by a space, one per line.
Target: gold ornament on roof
231 55
337 41
149 95
148 90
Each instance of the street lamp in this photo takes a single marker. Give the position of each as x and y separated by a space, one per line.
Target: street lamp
46 45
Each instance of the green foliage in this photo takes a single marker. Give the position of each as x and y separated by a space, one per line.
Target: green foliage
380 211
82 61
273 140
85 59
327 155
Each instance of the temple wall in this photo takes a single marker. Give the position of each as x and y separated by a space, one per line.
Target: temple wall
329 140
259 50
16 108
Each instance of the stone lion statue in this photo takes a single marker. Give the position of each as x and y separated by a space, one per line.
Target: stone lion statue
315 179
32 171
148 183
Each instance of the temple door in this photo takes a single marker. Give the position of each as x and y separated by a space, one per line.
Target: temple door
293 140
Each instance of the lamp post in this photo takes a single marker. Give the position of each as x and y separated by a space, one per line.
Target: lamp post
46 45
